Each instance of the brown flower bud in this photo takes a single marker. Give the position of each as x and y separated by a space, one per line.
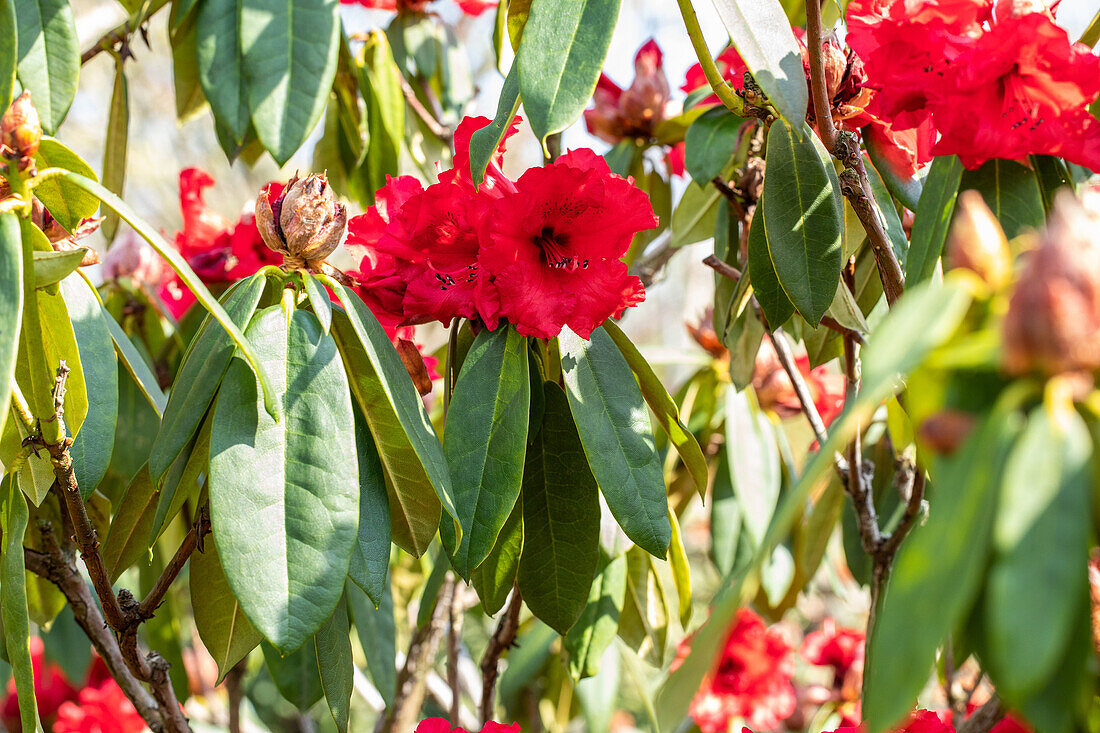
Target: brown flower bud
977 242
414 365
1053 320
20 130
946 430
304 222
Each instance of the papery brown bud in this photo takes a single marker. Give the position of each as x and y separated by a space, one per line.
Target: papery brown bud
977 242
20 130
1053 320
414 365
836 65
305 221
946 430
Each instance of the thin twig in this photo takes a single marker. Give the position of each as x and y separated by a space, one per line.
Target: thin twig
501 641
820 93
801 389
986 717
235 693
441 131
193 540
660 252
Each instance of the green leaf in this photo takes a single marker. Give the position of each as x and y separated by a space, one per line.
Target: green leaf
710 143
485 447
803 216
594 631
65 202
9 51
406 440
50 267
663 406
1052 175
560 58
1042 520
693 219
291 487
613 424
484 141
115 145
725 520
643 624
49 57
888 215
377 638
753 457
496 576
224 629
11 305
318 300
127 542
762 35
370 557
906 190
937 573
681 571
91 450
380 85
13 600
1011 191
295 675
220 60
933 218
334 661
561 519
187 276
204 365
289 60
183 480
184 37
775 304
136 366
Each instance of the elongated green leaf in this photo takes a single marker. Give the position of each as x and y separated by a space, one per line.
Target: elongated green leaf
753 462
937 572
775 304
289 49
295 675
49 57
380 84
11 305
933 217
377 638
65 202
406 440
485 448
115 146
183 35
484 141
613 423
907 190
291 487
334 661
201 372
693 219
1011 191
888 215
9 51
318 300
762 35
370 557
1042 519
1092 33
51 267
143 377
224 629
561 519
663 406
188 277
725 519
710 143
13 600
643 624
183 480
560 58
220 61
594 631
91 450
804 220
127 542
496 576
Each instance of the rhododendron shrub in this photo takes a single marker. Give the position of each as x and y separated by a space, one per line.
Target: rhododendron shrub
543 391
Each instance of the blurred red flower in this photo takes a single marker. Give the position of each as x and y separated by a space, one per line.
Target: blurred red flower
839 648
470 7
442 725
218 250
103 709
775 392
920 721
51 690
634 112
751 679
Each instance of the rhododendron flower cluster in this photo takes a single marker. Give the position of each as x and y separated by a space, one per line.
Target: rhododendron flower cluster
1002 82
775 392
542 251
219 251
442 725
751 679
927 721
470 7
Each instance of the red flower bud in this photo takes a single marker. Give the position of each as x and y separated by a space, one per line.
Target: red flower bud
1053 320
977 242
20 130
304 221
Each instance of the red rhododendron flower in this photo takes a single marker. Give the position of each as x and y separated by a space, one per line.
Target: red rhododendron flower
103 709
839 648
775 392
751 679
216 249
51 689
470 7
442 725
618 114
920 721
733 69
552 249
1001 84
